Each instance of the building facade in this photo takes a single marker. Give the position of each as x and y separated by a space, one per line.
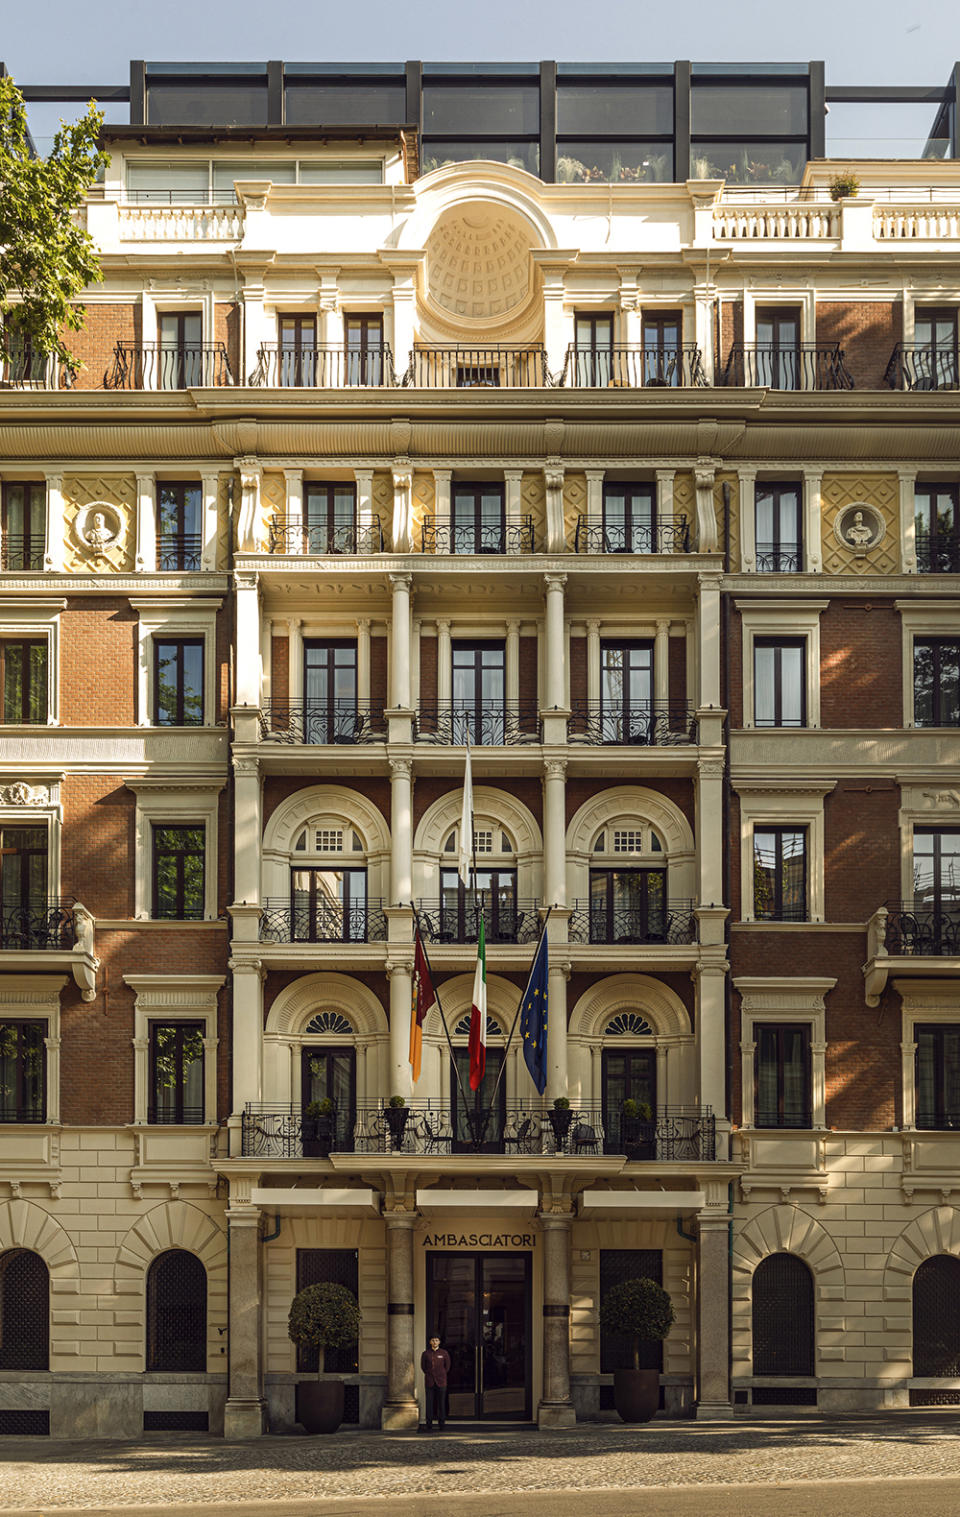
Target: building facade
648 493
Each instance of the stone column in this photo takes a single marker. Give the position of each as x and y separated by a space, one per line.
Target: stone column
400 1412
557 1070
400 977
293 509
593 666
708 651
661 663
400 631
415 664
513 507
554 833
907 481
401 828
555 680
247 1031
365 510
665 484
244 1414
146 555
295 683
556 1409
442 509
711 1040
512 665
595 497
444 663
713 1316
363 663
56 526
246 843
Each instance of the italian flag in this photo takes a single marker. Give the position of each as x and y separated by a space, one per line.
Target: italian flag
478 1014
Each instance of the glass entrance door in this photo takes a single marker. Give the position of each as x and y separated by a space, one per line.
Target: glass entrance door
480 1306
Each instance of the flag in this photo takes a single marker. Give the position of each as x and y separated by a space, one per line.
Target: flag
478 1014
466 825
533 1017
424 997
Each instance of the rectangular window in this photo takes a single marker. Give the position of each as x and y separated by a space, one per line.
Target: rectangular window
593 349
330 712
179 531
176 1072
937 523
936 682
626 692
478 519
299 358
479 674
27 918
23 675
24 524
178 872
938 1075
777 362
180 356
779 682
23 1071
329 905
363 337
629 1075
494 891
178 681
630 518
782 1075
780 874
778 518
329 518
662 346
628 905
934 348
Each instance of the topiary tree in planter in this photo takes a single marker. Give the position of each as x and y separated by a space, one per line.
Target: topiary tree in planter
323 1316
640 1310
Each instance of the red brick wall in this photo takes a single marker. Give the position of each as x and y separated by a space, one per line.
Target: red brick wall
678 669
528 673
277 788
862 852
93 346
861 667
428 672
731 330
97 850
430 788
867 331
734 663
378 672
279 670
578 672
226 329
98 663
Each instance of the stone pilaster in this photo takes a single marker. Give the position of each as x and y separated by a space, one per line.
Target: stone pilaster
244 1414
400 1411
713 1316
556 1410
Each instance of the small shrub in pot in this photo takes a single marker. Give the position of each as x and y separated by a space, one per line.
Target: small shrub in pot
323 1316
641 1311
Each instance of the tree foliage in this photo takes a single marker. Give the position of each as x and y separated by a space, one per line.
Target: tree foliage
46 259
324 1316
638 1309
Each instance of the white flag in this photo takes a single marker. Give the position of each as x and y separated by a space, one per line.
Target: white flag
465 861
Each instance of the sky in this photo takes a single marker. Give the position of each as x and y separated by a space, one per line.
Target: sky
862 41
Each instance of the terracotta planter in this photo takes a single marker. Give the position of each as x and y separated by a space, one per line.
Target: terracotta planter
320 1405
636 1394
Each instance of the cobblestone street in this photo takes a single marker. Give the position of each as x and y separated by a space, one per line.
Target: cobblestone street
349 1467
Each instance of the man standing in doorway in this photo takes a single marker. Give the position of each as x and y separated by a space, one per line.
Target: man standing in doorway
435 1363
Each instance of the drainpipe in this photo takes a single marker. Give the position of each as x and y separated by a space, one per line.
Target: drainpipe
269 1237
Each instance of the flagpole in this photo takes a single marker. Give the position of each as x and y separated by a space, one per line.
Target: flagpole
516 1017
436 991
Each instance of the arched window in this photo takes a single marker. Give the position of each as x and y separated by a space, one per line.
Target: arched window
936 1317
320 886
24 1311
492 889
783 1317
477 1116
177 1313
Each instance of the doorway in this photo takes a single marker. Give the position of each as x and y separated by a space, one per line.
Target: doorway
480 1304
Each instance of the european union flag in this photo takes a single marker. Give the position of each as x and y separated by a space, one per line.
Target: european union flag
533 1018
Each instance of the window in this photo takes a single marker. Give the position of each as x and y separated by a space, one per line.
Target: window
179 533
783 620
27 918
628 1074
778 529
180 357
628 905
479 672
329 905
478 519
783 1317
936 682
176 1072
779 682
23 1071
782 1075
934 355
936 869
329 518
492 891
630 518
593 349
24 1311
478 1116
937 526
177 1314
777 361
365 352
329 692
178 872
178 682
662 349
465 118
936 1318
24 526
613 127
937 1075
329 1073
299 358
626 691
23 672
780 874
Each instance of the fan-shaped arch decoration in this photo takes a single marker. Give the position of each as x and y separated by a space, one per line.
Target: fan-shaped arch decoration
462 1029
627 1024
330 1022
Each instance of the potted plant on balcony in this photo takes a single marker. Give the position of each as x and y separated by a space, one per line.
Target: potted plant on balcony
843 186
322 1316
641 1311
397 1116
318 1128
560 1119
639 1142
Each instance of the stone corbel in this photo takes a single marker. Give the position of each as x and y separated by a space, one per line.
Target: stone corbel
402 509
877 968
250 518
705 475
556 536
85 968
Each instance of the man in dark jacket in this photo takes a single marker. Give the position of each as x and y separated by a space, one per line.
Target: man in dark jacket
435 1363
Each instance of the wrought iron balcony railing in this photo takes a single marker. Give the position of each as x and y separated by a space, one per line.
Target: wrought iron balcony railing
508 921
322 922
661 724
675 1134
809 366
486 724
917 929
187 1116
915 366
440 534
24 370
281 1131
673 923
634 366
20 552
494 366
938 555
179 551
290 534
155 366
323 366
39 925
341 721
774 558
668 534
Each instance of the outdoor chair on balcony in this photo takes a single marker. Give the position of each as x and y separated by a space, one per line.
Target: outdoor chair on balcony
435 1139
522 1140
584 1139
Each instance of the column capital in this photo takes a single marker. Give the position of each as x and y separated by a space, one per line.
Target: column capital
593 623
145 480
554 582
363 622
401 769
246 579
661 621
513 624
512 476
293 476
665 474
55 481
551 1221
555 769
445 474
442 623
599 473
402 476
401 581
401 1219
247 967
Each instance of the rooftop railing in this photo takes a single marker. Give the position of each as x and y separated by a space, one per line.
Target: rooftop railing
596 534
658 724
808 366
332 722
633 366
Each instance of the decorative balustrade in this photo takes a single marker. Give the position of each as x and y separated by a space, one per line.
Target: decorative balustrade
935 222
39 925
633 366
668 534
157 366
504 921
291 534
486 724
442 534
808 366
180 223
774 558
798 220
323 921
179 551
596 922
342 721
917 930
918 366
324 366
493 366
659 724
